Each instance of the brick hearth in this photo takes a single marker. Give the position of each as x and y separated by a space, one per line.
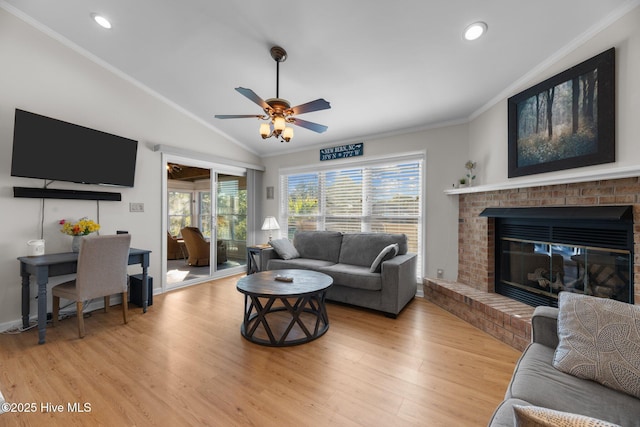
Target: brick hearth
472 297
504 318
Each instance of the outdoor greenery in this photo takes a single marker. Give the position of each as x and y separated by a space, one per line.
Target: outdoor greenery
232 216
377 199
231 211
179 211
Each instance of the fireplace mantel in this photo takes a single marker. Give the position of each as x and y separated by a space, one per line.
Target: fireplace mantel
617 173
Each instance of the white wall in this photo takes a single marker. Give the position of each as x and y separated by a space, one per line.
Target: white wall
446 153
40 74
488 132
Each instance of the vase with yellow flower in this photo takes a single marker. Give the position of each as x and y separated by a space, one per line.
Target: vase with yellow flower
78 230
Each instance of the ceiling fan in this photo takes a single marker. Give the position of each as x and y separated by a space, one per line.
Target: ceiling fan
278 111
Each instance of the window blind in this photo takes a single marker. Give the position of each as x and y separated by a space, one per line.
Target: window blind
383 197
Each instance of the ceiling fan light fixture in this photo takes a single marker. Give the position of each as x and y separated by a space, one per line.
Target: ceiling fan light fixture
277 111
101 20
287 134
265 130
279 124
475 31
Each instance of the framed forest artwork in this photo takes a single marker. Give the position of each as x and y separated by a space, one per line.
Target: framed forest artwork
565 122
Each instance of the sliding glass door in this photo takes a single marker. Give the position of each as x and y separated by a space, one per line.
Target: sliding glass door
206 235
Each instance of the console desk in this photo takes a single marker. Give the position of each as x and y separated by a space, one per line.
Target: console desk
44 266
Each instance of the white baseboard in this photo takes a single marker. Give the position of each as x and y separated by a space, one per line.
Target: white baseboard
94 304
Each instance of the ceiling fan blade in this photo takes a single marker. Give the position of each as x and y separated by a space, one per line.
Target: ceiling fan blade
236 116
309 125
318 104
252 96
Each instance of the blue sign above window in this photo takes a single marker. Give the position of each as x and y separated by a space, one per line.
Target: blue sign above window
342 151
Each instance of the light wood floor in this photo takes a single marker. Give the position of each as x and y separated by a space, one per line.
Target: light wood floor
185 363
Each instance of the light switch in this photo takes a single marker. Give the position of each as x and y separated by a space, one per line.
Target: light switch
136 207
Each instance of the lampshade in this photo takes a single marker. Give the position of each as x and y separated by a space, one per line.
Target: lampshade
265 130
287 134
279 123
270 223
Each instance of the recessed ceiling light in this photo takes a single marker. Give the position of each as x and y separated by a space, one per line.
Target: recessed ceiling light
101 20
475 30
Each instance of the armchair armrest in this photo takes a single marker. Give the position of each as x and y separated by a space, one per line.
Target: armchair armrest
544 326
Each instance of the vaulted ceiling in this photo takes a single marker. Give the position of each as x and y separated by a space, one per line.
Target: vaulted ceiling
385 67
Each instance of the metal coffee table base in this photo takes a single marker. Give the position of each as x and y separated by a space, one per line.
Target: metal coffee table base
268 316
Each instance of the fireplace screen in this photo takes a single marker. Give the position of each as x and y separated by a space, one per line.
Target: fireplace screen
543 269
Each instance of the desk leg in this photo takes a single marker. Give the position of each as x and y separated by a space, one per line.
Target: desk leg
145 289
42 278
25 300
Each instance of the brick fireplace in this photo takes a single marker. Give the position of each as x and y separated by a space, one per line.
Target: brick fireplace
472 296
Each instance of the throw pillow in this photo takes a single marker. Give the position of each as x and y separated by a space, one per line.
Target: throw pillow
535 416
599 341
284 248
385 254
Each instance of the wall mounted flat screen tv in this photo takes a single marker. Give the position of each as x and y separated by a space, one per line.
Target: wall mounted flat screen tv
51 149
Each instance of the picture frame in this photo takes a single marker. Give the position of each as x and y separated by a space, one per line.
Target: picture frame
566 121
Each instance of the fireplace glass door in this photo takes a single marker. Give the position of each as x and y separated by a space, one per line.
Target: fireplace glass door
543 269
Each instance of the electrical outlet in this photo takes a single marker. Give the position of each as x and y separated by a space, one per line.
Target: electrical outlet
136 207
440 273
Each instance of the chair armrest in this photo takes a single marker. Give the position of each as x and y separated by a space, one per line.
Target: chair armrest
265 256
544 326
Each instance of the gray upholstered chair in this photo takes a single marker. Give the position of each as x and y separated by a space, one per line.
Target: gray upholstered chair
102 272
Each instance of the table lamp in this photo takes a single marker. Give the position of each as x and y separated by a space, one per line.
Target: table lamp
270 224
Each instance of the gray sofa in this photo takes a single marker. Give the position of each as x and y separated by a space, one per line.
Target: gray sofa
347 258
537 382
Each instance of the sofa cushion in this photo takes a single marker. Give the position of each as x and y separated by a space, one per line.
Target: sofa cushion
599 341
353 276
536 381
284 248
299 263
322 245
385 254
362 248
535 416
503 415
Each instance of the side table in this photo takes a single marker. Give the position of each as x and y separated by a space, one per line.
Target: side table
254 254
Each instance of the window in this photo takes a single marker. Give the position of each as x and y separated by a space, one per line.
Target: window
179 210
381 197
204 213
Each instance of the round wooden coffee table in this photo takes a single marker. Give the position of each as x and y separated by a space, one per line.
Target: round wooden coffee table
282 314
